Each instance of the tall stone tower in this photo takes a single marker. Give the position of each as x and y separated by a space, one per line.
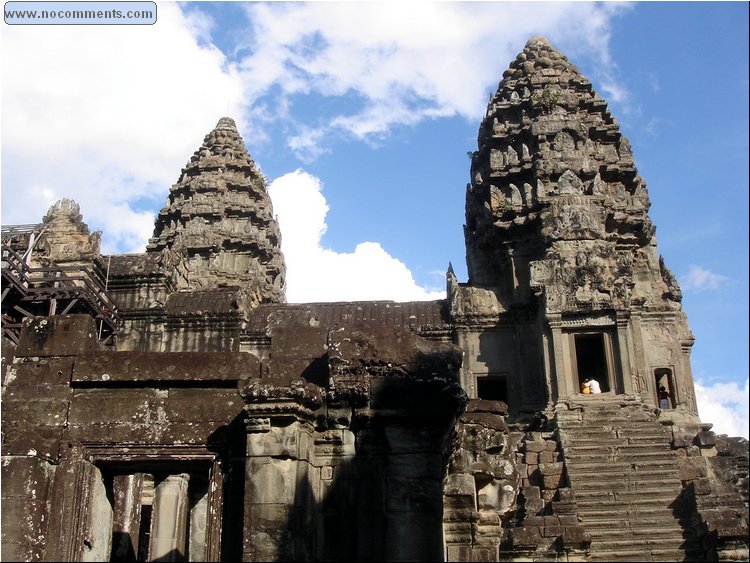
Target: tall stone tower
218 228
557 230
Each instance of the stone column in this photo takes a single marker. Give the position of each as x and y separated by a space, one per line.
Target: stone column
558 358
641 378
127 492
624 352
276 487
169 519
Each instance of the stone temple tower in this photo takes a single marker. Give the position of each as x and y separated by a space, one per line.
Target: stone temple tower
558 235
217 228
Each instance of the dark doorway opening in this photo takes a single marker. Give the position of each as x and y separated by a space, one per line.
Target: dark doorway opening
492 388
665 397
591 359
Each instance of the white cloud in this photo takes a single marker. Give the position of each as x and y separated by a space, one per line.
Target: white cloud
699 278
406 62
107 115
315 273
725 405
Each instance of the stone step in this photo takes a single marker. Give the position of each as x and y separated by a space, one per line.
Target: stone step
663 525
613 430
645 543
601 466
609 493
617 447
635 503
641 555
628 484
616 436
594 513
606 416
618 454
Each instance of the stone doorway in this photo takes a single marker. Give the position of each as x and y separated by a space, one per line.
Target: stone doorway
591 359
665 399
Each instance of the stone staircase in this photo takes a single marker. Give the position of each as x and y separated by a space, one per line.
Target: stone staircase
626 482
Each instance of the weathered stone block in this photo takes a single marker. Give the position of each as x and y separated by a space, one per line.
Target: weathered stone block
533 522
546 457
61 335
459 484
568 520
702 486
553 531
25 521
564 507
278 441
157 367
459 553
36 410
271 481
205 404
531 493
552 481
26 439
25 477
534 506
691 468
526 537
47 370
575 536
535 447
91 406
551 468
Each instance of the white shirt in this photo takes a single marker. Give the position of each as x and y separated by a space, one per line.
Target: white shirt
593 384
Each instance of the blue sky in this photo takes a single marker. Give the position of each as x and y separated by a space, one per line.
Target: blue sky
361 116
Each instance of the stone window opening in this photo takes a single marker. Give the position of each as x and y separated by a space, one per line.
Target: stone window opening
665 396
160 511
492 387
591 359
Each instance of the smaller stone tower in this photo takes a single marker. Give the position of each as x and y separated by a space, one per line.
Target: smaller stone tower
218 228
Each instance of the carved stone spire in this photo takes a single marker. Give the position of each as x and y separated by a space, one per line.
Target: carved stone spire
66 237
555 203
218 228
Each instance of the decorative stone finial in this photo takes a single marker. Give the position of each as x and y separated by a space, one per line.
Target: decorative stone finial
226 123
538 41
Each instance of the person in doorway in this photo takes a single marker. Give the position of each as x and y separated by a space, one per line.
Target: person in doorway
663 398
593 386
585 389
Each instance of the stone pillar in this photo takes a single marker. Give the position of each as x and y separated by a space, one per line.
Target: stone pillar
641 378
169 519
276 488
624 353
558 358
127 494
686 387
198 528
